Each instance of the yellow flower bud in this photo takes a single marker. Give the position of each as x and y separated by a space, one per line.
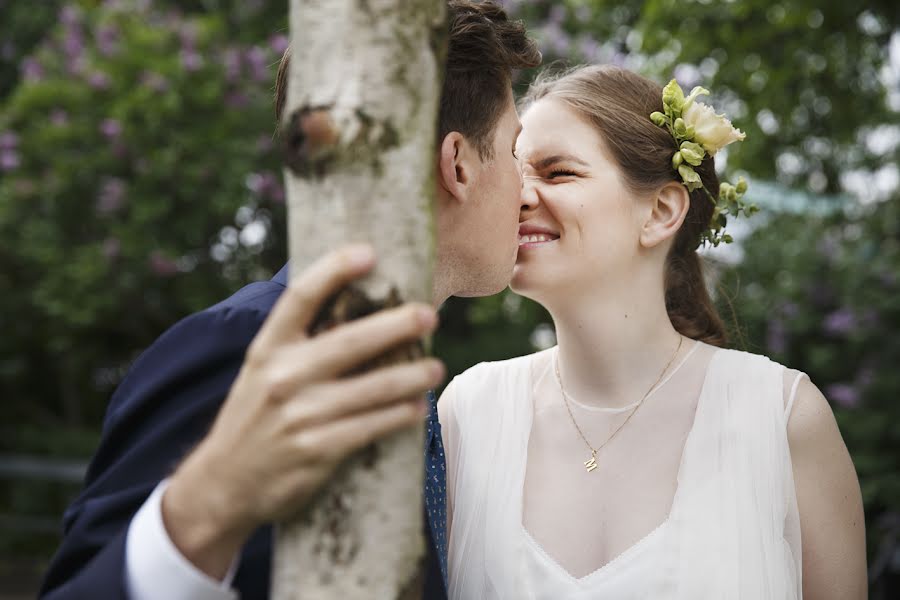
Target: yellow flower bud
693 153
673 96
689 177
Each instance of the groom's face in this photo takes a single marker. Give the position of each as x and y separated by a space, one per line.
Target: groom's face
491 225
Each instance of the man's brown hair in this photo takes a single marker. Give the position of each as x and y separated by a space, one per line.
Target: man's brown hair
484 47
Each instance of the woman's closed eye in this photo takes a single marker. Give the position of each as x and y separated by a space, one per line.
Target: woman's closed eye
557 173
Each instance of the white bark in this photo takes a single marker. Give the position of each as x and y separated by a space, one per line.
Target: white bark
371 67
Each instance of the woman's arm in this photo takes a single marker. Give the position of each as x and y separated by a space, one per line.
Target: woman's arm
832 526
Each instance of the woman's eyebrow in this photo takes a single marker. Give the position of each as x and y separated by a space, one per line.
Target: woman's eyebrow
558 158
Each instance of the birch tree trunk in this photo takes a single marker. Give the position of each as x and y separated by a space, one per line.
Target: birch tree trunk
359 129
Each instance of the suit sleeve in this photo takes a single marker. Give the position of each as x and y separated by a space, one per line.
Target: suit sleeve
165 405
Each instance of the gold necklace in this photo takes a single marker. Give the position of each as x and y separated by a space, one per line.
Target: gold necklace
591 463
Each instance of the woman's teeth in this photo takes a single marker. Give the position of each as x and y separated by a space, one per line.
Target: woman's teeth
540 237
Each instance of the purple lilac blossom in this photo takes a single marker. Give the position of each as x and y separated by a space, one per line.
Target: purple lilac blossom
865 377
99 80
618 59
154 81
32 70
9 140
191 60
279 43
231 60
843 394
236 99
276 190
59 117
264 144
272 187
776 337
73 43
76 65
111 197
557 14
70 15
111 128
107 40
589 48
556 39
9 160
789 310
257 60
111 248
840 322
187 33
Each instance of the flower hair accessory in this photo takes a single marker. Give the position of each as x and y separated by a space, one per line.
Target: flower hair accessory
699 132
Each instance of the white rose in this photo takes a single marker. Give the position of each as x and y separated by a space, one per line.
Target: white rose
711 131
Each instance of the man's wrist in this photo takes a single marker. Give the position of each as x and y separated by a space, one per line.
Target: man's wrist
199 519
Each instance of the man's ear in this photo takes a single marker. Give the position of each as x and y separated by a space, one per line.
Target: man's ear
455 165
670 207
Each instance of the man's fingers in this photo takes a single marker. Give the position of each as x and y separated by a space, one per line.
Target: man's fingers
337 440
350 345
306 293
340 399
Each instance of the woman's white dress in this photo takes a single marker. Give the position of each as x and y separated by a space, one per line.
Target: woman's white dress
683 508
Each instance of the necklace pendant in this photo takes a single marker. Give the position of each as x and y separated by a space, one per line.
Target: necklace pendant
591 464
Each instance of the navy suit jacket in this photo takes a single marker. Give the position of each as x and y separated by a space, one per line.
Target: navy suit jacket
162 408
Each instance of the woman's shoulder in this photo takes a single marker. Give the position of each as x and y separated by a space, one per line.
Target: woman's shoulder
796 388
491 383
515 367
750 359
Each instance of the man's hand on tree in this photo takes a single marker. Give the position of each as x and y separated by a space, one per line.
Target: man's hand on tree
293 414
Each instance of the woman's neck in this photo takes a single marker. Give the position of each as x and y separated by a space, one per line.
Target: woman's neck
613 346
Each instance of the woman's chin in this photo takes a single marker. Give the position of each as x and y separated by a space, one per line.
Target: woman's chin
524 279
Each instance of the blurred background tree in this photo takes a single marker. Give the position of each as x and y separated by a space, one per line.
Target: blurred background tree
138 183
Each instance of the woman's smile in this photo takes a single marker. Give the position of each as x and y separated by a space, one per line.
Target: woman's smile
531 236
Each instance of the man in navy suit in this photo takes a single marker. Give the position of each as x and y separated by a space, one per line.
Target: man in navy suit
235 416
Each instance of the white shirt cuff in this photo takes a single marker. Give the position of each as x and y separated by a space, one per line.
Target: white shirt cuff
154 568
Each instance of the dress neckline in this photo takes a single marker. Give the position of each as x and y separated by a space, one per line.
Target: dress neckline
643 541
554 360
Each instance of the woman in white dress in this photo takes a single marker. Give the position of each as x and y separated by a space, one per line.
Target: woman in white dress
638 458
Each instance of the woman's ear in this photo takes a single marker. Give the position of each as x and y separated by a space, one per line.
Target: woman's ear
454 168
670 208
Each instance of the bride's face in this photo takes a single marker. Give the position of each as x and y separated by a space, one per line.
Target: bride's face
579 224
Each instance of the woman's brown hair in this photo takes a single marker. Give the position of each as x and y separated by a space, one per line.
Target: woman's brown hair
619 103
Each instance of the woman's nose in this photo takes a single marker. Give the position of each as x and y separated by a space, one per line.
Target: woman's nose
530 198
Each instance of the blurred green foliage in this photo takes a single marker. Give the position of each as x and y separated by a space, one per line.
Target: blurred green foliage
138 183
819 293
141 185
